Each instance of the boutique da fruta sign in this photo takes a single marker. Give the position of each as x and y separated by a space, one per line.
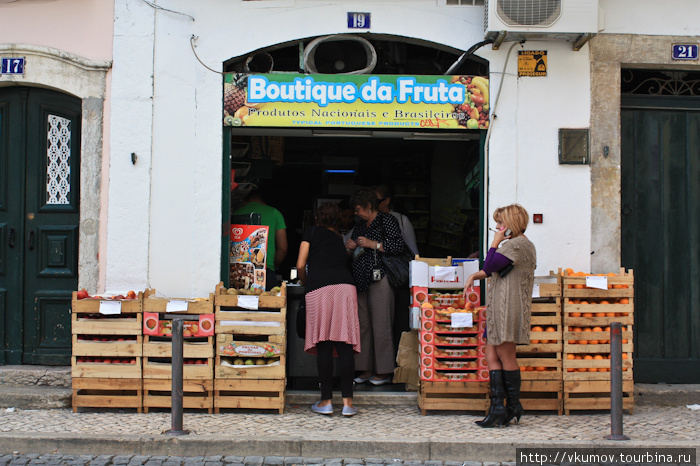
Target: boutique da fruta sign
356 101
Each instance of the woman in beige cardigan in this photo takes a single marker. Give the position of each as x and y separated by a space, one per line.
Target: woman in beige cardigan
510 267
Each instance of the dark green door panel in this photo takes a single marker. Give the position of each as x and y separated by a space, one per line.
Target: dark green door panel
43 155
660 224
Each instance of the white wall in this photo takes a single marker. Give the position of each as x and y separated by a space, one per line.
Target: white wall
524 166
667 17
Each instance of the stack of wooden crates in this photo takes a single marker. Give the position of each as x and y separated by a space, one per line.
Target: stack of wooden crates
198 355
588 314
541 361
107 353
260 382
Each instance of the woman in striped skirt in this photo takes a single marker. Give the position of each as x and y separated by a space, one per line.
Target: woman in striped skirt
332 324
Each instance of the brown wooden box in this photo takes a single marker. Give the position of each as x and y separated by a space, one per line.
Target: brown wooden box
595 395
126 348
157 368
249 394
542 395
153 303
223 299
102 370
107 393
196 348
460 396
197 394
92 306
90 324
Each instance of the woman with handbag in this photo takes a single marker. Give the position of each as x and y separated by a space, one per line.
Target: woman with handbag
332 325
510 268
375 236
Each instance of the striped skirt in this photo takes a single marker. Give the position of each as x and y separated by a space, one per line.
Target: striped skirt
331 315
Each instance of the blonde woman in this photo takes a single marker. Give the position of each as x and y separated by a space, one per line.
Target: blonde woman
510 268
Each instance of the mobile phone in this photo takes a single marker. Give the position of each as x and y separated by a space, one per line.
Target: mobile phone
508 232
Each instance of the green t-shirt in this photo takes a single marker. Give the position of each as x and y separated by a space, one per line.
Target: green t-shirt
268 216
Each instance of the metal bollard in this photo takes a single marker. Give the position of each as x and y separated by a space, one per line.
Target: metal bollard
616 383
177 390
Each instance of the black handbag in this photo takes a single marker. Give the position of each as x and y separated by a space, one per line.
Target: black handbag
396 265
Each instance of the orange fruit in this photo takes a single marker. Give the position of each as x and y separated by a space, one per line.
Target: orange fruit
540 369
569 271
575 314
587 314
523 369
587 357
624 356
598 356
578 356
624 301
536 328
609 314
570 369
597 329
550 329
534 342
570 356
604 302
599 314
583 302
578 286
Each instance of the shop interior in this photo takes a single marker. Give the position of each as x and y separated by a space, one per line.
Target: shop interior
435 179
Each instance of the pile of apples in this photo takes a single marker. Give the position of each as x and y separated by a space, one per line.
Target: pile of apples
111 339
83 294
107 360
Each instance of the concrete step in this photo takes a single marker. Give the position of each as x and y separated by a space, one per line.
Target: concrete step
35 397
36 376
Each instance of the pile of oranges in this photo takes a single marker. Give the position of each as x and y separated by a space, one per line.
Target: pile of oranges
537 328
571 273
583 331
538 369
591 357
592 313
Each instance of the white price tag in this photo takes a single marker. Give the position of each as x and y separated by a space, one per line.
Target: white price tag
536 290
248 302
444 274
110 307
176 305
600 283
462 319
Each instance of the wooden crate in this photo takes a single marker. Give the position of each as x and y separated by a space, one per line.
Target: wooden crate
161 368
269 319
92 306
274 347
595 395
104 370
223 299
619 286
249 394
107 393
460 396
161 347
542 395
95 324
197 394
109 345
153 303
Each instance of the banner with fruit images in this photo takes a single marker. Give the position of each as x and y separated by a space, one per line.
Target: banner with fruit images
356 101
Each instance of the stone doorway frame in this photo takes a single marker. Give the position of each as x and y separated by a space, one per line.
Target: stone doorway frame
86 79
609 54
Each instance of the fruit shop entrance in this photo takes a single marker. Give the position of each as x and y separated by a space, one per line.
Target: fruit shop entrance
435 179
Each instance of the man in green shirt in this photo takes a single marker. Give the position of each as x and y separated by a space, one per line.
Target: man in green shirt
277 240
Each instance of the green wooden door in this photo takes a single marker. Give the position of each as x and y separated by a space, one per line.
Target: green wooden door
661 233
39 214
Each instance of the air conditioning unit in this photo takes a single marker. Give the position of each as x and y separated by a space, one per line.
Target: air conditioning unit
571 20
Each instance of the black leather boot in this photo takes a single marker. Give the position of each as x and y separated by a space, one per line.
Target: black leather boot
511 380
497 411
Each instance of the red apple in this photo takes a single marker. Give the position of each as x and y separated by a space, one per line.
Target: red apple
82 294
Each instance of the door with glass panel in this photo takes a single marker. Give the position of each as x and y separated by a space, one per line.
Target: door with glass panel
39 215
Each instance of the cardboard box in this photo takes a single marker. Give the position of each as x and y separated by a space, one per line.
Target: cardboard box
421 274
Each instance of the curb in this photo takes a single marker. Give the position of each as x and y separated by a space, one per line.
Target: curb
405 449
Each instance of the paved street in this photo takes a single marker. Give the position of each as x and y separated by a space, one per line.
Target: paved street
375 434
219 460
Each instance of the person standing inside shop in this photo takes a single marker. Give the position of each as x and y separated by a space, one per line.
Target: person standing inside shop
510 268
332 323
375 235
385 204
277 240
402 296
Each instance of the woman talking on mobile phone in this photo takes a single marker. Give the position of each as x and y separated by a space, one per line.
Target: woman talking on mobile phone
510 268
